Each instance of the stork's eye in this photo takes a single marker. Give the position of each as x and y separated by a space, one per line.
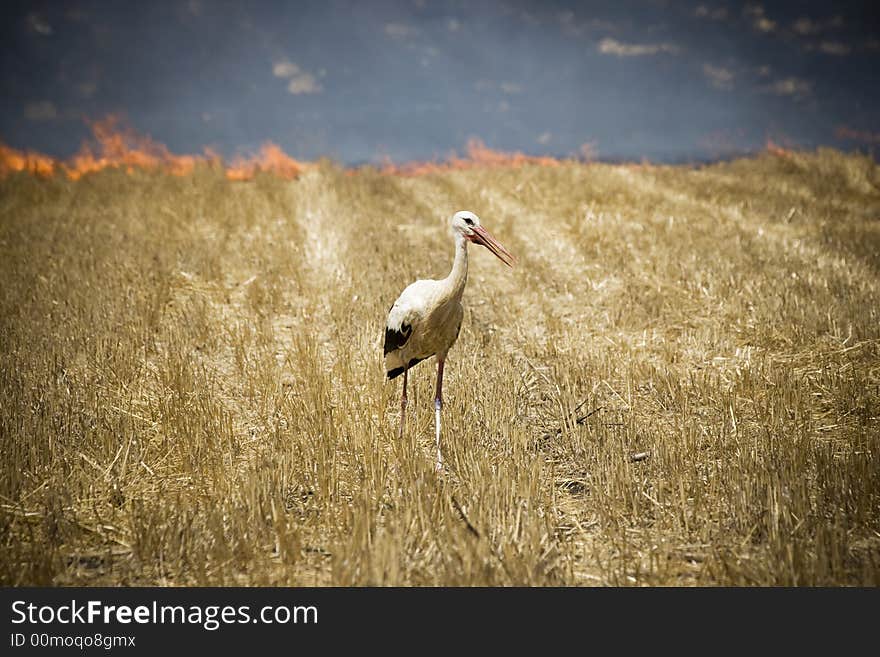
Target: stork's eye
469 221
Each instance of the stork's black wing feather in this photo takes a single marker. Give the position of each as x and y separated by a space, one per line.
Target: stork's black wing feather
396 338
397 371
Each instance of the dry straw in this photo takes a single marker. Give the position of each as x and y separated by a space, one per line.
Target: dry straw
679 384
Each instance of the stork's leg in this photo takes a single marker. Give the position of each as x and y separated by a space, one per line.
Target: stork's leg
403 405
438 404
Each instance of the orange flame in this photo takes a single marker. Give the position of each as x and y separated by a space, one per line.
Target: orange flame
478 156
271 159
122 148
114 145
845 132
12 161
781 147
775 149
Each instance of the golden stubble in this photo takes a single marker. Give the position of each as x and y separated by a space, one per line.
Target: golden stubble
678 384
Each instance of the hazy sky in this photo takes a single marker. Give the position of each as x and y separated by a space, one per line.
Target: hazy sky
412 80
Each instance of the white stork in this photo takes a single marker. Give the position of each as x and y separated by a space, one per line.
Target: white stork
426 318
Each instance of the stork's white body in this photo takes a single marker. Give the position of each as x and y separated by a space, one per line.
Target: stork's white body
426 318
433 310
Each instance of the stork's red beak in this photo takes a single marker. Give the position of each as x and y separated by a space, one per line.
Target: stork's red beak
484 237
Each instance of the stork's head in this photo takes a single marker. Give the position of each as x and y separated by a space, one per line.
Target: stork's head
467 224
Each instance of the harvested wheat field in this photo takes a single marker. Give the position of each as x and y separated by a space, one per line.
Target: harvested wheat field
678 384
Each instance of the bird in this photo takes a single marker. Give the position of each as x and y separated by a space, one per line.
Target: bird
426 318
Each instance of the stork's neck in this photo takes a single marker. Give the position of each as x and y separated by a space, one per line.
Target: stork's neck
458 276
